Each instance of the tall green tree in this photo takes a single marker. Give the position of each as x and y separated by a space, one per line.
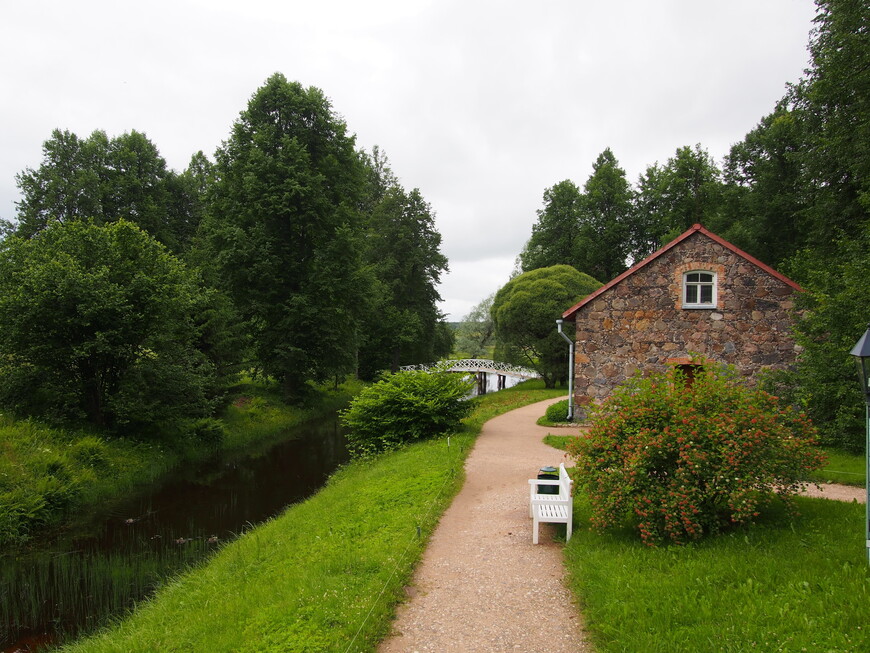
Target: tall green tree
555 234
105 179
765 193
603 238
524 313
100 324
673 197
834 102
284 232
402 324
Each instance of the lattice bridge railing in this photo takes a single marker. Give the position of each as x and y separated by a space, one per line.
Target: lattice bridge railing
476 365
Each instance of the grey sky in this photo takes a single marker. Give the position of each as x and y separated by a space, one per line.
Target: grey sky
480 105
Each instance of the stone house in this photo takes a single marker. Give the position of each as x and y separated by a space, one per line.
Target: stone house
699 294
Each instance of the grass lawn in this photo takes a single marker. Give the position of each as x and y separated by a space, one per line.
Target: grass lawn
327 574
782 585
842 467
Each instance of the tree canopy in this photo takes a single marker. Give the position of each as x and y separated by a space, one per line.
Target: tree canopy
524 313
97 324
282 232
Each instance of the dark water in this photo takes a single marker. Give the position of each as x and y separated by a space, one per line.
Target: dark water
73 583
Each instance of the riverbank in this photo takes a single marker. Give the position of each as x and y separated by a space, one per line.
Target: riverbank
325 575
50 477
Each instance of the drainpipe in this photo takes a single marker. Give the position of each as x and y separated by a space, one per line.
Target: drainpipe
570 371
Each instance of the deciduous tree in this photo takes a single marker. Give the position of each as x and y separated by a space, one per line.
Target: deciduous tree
525 311
284 232
98 323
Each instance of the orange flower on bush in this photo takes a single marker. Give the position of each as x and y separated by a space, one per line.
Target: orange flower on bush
683 460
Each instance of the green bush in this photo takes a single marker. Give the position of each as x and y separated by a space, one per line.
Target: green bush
558 412
681 460
405 407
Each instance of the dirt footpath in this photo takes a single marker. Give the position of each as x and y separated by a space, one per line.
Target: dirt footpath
482 585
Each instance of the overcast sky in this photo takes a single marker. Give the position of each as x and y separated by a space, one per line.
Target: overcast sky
480 105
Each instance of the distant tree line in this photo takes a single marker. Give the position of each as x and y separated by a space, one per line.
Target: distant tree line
132 295
794 193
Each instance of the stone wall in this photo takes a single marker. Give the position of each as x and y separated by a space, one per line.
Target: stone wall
640 324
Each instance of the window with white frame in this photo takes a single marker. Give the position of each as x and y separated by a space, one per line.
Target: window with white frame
699 289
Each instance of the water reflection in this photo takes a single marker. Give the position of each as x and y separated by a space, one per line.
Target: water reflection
73 583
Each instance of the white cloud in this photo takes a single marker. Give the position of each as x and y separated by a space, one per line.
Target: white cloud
480 104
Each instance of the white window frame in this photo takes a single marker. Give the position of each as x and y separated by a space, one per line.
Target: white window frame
713 284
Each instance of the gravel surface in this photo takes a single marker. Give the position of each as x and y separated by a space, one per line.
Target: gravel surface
837 492
482 586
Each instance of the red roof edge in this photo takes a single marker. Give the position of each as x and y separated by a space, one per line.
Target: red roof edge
569 314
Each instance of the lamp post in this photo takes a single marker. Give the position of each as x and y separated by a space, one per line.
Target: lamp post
861 352
570 371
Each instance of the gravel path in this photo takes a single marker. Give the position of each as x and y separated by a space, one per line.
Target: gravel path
482 585
837 492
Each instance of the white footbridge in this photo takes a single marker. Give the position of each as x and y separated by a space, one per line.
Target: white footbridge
481 368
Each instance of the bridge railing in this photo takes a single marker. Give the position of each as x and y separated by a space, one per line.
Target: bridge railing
476 365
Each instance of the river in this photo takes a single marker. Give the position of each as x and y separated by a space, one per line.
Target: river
73 582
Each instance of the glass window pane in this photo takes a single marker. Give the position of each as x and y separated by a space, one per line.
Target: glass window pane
705 277
706 294
693 277
691 294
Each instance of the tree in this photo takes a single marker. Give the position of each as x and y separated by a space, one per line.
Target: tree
672 198
475 336
554 235
602 241
835 316
284 232
525 311
834 103
97 323
401 325
765 194
104 180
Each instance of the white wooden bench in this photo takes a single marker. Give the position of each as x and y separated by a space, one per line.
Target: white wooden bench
553 508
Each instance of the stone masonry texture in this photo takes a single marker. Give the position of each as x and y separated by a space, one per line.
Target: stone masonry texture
639 323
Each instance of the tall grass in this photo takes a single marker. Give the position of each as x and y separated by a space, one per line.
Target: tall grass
327 574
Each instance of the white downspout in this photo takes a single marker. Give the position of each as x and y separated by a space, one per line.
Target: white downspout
570 371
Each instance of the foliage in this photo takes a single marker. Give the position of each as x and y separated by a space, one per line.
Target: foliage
401 324
106 179
671 198
405 407
589 230
282 233
683 460
304 580
48 474
604 232
784 585
764 196
557 413
524 313
554 235
475 335
97 323
835 316
51 475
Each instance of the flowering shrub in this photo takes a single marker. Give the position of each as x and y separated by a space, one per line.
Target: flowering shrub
685 459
